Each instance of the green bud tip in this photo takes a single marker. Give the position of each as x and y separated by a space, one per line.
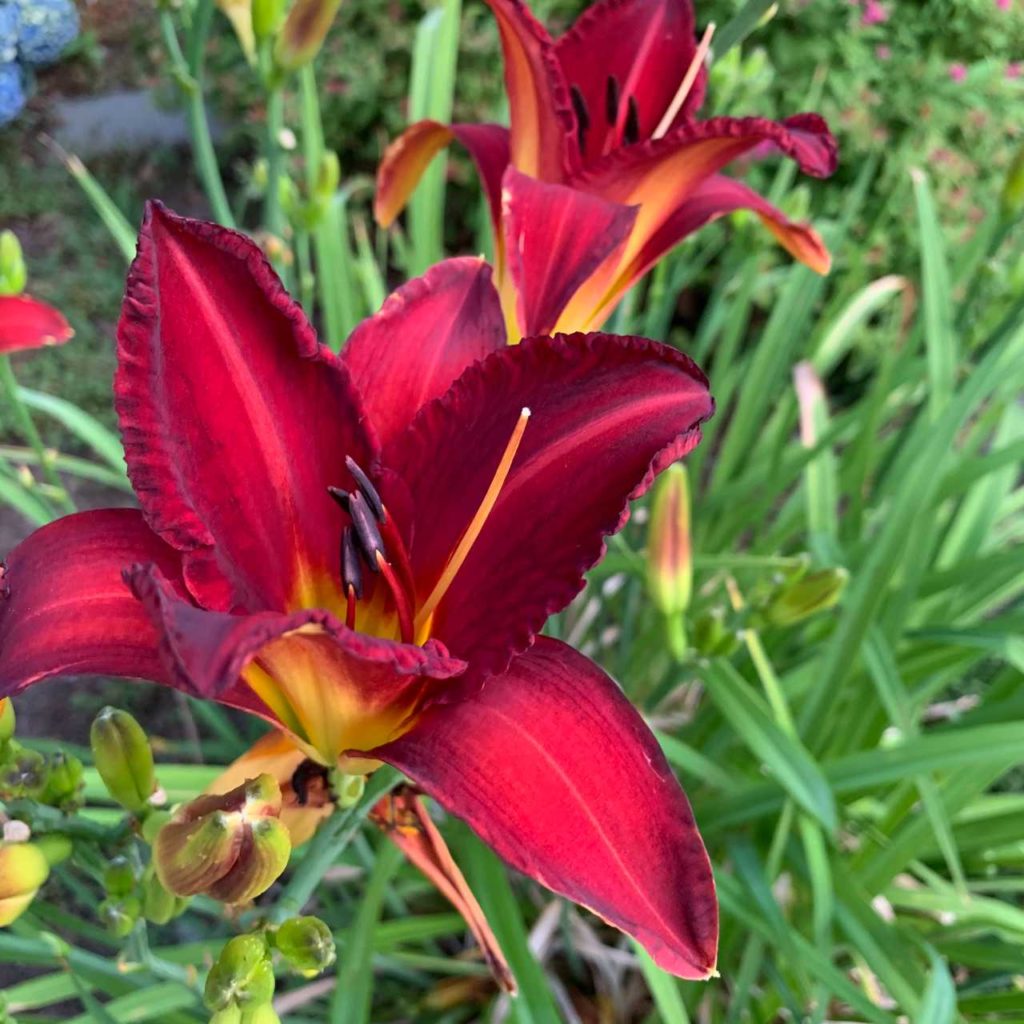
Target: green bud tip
7 719
243 975
13 274
307 945
124 758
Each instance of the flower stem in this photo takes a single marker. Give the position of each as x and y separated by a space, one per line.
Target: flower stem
331 838
27 428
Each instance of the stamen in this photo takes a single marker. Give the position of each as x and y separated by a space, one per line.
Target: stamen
366 529
631 133
364 484
579 105
351 571
350 610
611 100
402 604
473 530
687 83
341 497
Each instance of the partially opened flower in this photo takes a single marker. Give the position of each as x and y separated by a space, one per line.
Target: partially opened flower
604 167
362 551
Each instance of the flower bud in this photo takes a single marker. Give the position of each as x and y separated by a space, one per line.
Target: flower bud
243 975
263 1014
7 720
119 915
307 945
328 175
303 32
669 558
23 869
801 598
240 14
119 877
1011 200
229 1015
231 847
123 758
56 848
63 780
158 905
13 276
24 775
266 17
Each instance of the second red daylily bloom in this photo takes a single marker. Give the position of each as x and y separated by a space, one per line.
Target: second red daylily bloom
27 323
362 551
604 168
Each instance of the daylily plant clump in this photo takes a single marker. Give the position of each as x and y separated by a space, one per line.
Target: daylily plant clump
362 551
605 166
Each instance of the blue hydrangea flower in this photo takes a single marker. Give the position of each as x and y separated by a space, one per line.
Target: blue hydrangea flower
10 22
47 26
12 92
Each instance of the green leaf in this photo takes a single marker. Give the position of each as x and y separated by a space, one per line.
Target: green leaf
86 428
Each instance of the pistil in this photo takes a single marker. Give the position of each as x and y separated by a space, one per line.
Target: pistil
687 83
476 525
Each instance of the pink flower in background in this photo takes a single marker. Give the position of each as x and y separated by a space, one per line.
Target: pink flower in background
1004 5
883 52
874 14
957 71
1014 69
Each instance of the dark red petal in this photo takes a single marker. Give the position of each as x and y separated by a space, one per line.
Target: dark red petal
556 238
647 46
329 681
607 414
543 126
715 197
235 419
661 172
424 336
406 159
553 767
28 323
64 608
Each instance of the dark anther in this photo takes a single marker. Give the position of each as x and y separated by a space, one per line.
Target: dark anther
611 100
632 130
307 773
340 496
579 104
369 491
351 570
366 529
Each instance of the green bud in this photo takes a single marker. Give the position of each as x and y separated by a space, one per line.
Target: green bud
123 758
669 557
328 175
263 1014
267 16
1011 200
307 945
56 848
119 915
23 869
153 823
800 599
158 904
64 777
7 720
229 1015
242 976
23 775
119 877
231 847
13 274
303 32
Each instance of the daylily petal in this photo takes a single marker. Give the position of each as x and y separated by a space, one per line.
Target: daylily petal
330 687
276 754
28 323
543 124
64 608
406 159
645 47
409 826
607 413
424 336
553 767
235 420
556 237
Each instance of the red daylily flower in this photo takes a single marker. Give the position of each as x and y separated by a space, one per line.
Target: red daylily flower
476 483
28 323
604 167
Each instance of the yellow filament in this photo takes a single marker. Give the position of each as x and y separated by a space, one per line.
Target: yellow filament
473 530
687 83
